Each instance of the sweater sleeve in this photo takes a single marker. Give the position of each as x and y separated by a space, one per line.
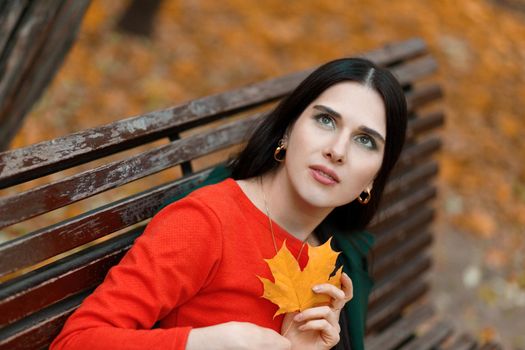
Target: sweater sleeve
170 262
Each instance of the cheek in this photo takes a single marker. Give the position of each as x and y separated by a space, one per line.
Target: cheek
364 167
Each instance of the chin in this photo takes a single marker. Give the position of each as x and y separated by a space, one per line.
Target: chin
319 199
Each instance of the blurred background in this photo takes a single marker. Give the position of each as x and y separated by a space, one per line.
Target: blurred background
126 62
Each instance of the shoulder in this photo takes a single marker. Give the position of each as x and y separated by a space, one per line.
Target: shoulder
207 204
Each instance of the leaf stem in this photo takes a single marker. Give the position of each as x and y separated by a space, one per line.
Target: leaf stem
287 329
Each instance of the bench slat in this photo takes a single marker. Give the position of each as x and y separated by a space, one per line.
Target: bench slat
411 177
90 182
61 279
378 300
34 285
44 331
491 346
422 95
399 231
392 261
433 337
10 12
387 214
463 342
84 228
400 278
415 70
393 52
37 246
425 123
390 310
400 331
38 331
34 161
414 153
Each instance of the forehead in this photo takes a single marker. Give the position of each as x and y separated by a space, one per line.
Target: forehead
356 103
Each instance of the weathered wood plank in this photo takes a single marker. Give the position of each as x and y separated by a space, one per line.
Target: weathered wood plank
400 331
392 53
50 241
425 123
463 342
38 331
37 246
388 263
399 230
64 284
413 175
384 314
90 182
430 339
60 193
422 95
10 13
385 215
81 271
491 346
391 284
415 70
23 287
25 42
50 156
416 152
59 32
47 285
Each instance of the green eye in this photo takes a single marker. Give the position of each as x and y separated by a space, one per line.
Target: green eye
326 121
366 141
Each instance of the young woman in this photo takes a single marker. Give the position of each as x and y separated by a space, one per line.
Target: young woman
316 165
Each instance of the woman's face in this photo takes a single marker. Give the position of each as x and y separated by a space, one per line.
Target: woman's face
335 148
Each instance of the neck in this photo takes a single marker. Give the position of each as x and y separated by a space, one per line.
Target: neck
288 209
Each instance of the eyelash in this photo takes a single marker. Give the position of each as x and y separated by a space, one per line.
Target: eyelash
319 117
373 144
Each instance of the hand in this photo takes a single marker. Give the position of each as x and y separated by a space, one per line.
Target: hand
318 327
236 336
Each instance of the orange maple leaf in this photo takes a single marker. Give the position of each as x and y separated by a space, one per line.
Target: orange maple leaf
292 289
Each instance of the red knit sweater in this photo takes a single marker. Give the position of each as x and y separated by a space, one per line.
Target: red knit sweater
195 265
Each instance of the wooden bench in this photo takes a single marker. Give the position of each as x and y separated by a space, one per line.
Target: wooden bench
45 275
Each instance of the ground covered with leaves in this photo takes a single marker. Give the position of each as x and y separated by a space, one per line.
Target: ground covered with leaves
203 47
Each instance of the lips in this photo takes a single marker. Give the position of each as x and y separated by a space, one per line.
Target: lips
324 175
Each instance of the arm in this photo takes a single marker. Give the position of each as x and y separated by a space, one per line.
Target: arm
173 259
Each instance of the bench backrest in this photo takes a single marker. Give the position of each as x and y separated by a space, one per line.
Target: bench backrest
59 186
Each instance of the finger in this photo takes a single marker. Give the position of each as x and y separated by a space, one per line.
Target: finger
347 286
320 312
329 333
348 291
340 296
329 290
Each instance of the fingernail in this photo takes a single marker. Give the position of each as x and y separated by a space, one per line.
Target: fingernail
298 318
344 273
316 289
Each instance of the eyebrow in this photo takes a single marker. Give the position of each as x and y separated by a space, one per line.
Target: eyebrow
338 116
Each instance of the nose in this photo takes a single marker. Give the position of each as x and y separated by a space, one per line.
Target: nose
335 151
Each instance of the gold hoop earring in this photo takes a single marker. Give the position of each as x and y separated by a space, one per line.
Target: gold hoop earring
366 199
280 151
